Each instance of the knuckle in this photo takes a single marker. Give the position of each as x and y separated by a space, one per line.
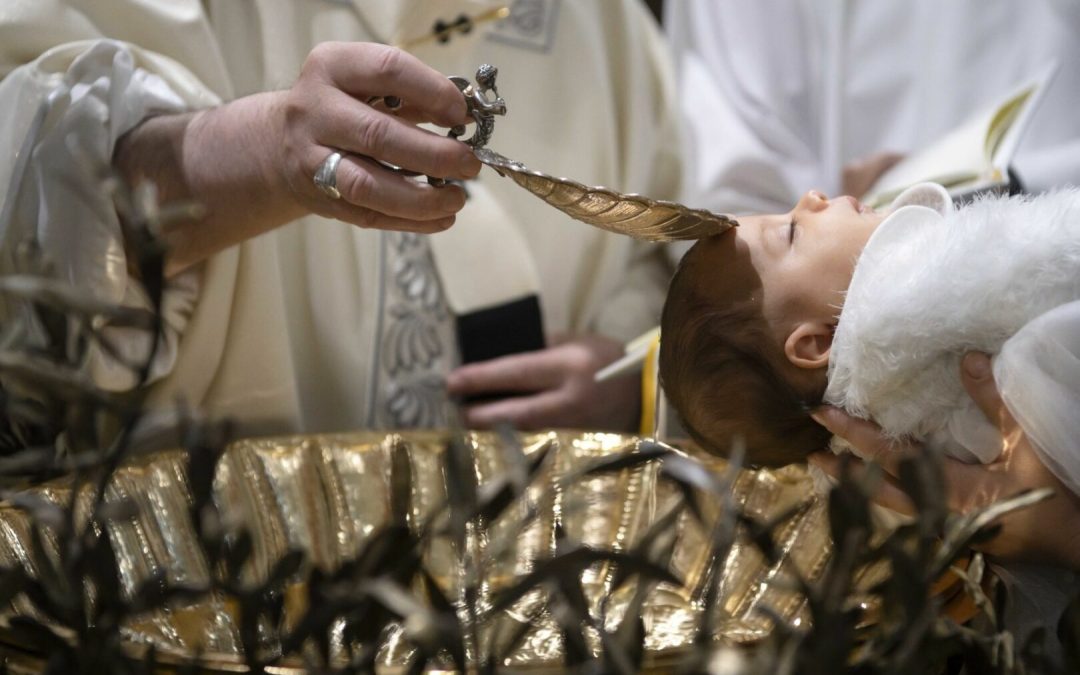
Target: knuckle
448 200
464 381
356 185
388 61
294 112
578 359
318 57
374 133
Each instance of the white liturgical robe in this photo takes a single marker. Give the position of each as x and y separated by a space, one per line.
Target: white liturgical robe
781 94
319 325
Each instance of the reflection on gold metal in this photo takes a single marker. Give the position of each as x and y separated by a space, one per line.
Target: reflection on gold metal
634 215
328 494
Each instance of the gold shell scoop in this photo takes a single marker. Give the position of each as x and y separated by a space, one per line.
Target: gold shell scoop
633 215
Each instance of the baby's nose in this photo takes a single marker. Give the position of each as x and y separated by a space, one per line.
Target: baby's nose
814 200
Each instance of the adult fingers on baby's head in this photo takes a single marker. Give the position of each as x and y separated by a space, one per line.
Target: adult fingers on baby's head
865 436
977 374
971 486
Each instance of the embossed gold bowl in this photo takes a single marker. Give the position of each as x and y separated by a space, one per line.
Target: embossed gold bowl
328 494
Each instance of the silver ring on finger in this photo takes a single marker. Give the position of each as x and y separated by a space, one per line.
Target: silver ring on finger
326 175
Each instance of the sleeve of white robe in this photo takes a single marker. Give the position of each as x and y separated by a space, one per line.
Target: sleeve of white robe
83 94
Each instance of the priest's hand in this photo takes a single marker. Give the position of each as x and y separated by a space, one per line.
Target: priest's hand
554 387
1048 531
251 162
337 104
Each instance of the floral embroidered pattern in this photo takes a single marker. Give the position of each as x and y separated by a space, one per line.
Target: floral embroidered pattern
419 402
418 343
411 342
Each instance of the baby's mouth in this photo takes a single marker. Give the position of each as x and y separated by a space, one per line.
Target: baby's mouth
856 204
859 206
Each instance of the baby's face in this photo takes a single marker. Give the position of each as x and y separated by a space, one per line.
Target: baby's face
804 258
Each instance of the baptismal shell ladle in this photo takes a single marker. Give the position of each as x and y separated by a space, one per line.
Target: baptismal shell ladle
630 214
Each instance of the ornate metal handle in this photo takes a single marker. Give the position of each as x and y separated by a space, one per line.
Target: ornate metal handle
482 109
478 105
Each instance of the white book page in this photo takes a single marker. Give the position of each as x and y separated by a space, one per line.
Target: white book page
957 157
960 158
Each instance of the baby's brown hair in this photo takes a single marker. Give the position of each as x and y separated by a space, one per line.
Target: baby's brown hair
724 371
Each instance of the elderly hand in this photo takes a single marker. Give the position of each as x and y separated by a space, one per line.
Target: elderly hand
251 162
326 111
557 388
1048 531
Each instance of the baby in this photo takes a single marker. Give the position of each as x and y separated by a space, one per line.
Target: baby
836 303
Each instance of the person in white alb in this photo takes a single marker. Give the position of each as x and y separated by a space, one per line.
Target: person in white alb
781 96
277 314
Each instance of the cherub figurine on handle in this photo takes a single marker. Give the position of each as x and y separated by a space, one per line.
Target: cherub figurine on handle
479 106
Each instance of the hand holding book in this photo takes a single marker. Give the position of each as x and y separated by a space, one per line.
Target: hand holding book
974 157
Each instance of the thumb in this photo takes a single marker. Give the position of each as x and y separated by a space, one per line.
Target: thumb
978 378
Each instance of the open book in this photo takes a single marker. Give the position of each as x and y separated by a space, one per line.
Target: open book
975 156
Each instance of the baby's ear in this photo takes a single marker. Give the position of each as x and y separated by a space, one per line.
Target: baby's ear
809 344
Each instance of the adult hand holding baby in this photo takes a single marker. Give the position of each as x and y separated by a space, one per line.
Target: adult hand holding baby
1048 531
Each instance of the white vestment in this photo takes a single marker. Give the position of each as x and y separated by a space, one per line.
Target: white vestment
320 325
779 94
